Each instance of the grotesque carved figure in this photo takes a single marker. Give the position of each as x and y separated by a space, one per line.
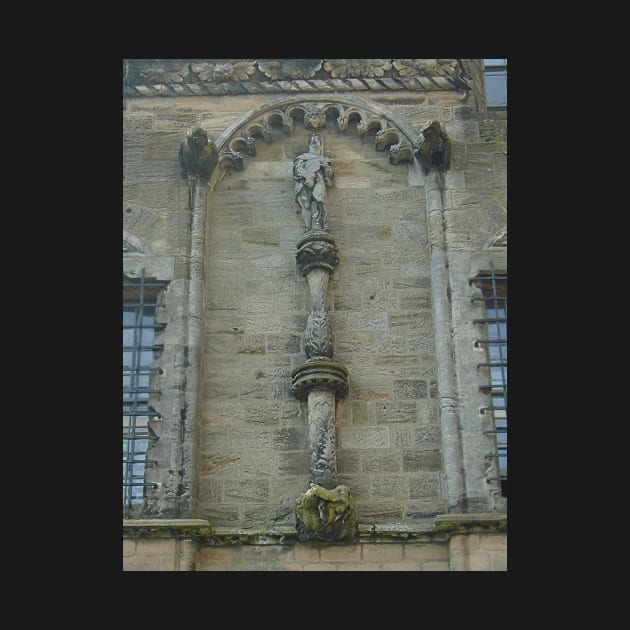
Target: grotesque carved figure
197 155
323 514
399 152
312 173
250 144
435 147
314 116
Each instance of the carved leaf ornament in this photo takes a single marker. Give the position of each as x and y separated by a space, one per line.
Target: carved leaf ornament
238 70
178 71
318 335
425 67
342 68
293 68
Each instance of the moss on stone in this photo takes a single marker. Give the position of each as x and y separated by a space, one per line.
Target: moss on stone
323 514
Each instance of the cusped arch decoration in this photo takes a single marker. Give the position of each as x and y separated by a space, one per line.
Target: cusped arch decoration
132 244
499 240
393 136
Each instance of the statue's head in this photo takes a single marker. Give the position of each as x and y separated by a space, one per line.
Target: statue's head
315 145
197 137
431 130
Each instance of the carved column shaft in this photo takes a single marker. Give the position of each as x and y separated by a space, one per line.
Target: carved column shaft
318 284
321 437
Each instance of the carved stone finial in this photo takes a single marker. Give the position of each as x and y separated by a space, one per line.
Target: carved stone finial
435 147
197 154
323 514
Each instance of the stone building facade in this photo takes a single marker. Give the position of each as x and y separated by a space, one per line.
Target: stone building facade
314 247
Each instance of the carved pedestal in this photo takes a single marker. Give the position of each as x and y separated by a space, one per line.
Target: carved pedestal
325 511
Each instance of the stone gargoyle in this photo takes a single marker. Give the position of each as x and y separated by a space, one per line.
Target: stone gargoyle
323 514
197 155
434 148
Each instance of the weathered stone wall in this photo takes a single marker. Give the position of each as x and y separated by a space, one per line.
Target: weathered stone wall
476 234
405 550
233 443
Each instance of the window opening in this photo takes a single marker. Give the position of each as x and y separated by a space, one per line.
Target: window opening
495 73
494 295
141 298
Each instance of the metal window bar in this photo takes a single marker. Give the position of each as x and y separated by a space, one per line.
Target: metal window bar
149 414
496 342
143 303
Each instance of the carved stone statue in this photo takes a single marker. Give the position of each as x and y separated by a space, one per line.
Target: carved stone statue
435 147
312 173
197 155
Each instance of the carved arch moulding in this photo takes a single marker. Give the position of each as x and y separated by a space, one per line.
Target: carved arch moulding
392 135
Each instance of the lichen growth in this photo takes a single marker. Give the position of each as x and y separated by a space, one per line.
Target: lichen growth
323 514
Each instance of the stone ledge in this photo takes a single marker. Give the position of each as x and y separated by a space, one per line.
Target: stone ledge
165 522
194 528
467 523
437 530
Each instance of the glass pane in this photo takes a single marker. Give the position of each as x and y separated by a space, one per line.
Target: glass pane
147 336
503 469
497 330
146 357
148 316
499 376
127 359
141 423
495 62
129 316
497 352
496 88
129 337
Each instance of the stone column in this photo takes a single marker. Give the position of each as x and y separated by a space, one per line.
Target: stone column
326 510
320 377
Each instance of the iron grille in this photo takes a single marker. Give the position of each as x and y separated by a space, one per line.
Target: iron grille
494 289
141 299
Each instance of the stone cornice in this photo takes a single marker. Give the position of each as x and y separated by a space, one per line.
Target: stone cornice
441 528
221 77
